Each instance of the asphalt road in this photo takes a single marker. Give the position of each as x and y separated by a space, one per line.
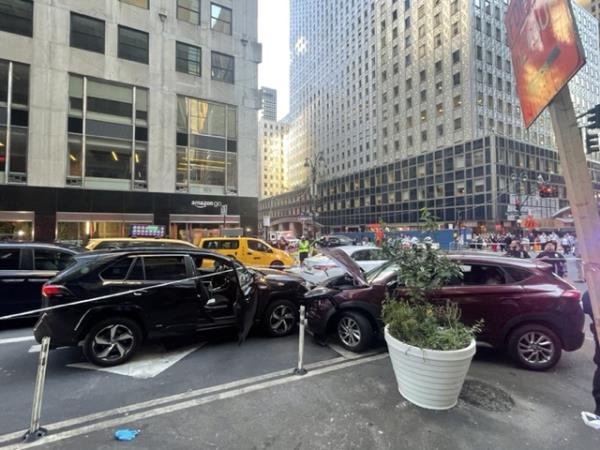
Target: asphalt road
208 392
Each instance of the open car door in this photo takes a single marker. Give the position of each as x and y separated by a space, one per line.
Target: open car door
246 302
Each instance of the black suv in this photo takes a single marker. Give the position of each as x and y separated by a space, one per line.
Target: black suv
24 268
150 293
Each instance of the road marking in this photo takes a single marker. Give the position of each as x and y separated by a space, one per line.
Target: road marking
16 339
146 364
34 348
193 403
173 398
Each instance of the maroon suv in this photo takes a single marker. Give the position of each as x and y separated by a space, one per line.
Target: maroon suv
527 310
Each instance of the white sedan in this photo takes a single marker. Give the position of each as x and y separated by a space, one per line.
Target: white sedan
319 268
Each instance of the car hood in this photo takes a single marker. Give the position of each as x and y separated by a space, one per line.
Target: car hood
346 263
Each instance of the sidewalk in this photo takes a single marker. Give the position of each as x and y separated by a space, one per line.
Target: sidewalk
359 407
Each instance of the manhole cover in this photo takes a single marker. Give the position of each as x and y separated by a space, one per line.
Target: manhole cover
485 396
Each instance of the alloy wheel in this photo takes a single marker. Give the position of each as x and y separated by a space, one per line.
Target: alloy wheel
113 342
535 348
282 319
349 331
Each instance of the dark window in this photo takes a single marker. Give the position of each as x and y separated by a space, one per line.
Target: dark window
165 268
16 16
189 10
133 45
117 271
137 271
51 260
188 59
87 33
232 244
220 18
9 259
222 67
258 246
476 275
518 274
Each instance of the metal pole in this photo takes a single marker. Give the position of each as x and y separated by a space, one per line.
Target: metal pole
36 432
300 370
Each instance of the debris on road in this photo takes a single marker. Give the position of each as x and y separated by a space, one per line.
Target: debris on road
126 434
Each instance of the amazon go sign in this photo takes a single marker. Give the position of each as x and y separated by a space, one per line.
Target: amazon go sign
546 51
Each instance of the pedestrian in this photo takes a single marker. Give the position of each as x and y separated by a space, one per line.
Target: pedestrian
566 245
303 249
552 257
587 308
515 250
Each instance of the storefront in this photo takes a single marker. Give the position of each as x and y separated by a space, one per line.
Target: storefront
75 215
16 225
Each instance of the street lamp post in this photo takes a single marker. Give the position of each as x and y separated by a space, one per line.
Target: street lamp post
312 164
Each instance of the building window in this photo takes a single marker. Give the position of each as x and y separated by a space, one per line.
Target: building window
188 59
140 3
222 67
189 11
116 132
206 144
456 57
87 33
220 18
16 16
457 123
456 79
133 45
14 132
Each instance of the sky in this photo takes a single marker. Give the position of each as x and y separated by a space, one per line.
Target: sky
273 34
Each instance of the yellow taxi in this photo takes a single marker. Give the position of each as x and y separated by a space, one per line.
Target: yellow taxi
249 251
112 243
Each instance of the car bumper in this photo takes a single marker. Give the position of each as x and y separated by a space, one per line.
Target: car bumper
573 341
318 313
61 334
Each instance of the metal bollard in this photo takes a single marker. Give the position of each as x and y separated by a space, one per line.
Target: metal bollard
35 431
300 370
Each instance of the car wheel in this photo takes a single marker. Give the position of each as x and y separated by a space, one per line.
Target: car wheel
112 341
534 347
277 265
354 331
281 318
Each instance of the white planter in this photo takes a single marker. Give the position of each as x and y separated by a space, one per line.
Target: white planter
430 379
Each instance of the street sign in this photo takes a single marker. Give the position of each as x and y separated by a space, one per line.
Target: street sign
223 210
266 221
546 51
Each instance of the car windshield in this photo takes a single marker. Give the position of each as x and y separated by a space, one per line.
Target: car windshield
382 272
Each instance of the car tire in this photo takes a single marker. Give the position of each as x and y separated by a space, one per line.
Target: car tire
354 331
112 341
277 265
534 347
281 318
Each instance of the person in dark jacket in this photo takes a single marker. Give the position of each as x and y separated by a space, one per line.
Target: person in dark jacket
587 308
552 257
516 251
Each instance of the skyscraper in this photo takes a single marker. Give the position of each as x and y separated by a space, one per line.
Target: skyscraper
269 103
380 84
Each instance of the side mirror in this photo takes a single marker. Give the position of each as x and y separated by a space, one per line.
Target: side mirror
392 284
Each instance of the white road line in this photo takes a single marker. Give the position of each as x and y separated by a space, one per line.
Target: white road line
16 339
172 398
192 403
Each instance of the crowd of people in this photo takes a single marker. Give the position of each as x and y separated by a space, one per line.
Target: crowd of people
565 243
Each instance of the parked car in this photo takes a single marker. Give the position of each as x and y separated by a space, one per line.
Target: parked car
333 241
249 251
527 310
149 302
24 268
320 267
112 243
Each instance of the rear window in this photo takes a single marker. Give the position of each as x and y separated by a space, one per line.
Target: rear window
117 271
165 268
481 275
221 244
52 260
9 259
518 274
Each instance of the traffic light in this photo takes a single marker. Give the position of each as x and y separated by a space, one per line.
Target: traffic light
592 128
546 191
591 141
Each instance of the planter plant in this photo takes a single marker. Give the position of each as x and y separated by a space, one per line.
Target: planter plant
430 348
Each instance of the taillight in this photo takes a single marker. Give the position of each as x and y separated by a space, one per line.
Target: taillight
50 290
572 294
